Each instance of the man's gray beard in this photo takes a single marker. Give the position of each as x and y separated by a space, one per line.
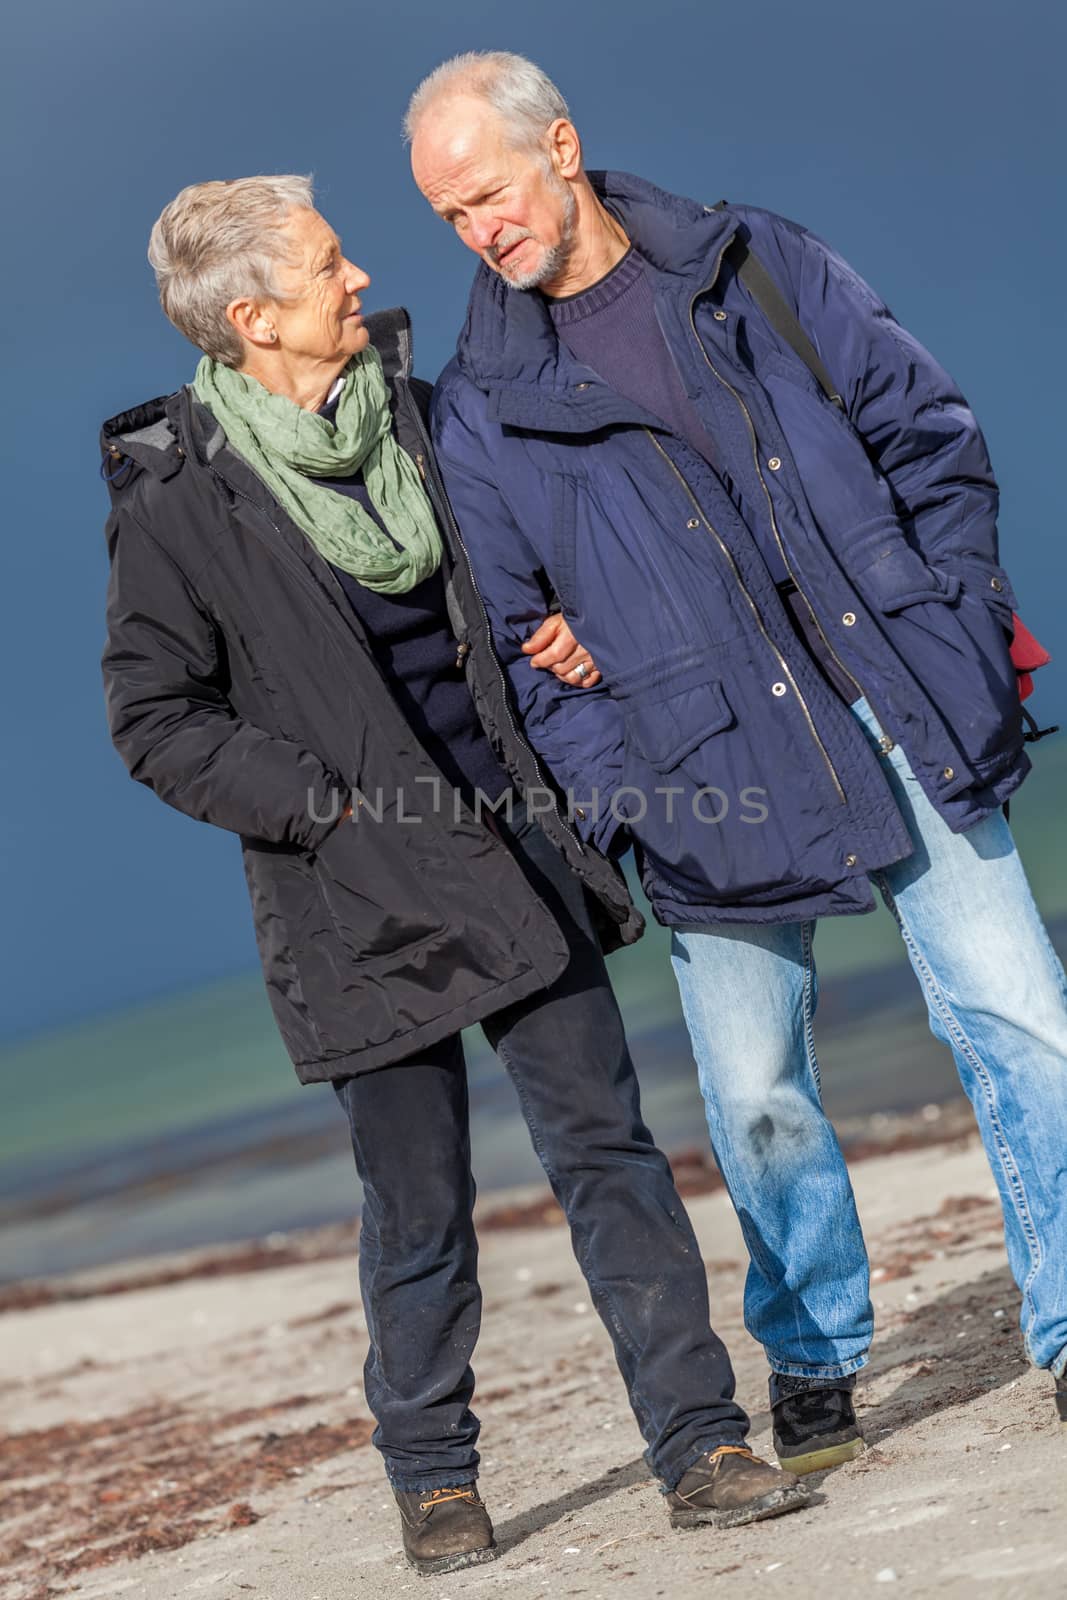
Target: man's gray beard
555 259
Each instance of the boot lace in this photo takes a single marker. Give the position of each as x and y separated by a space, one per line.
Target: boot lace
716 1457
440 1496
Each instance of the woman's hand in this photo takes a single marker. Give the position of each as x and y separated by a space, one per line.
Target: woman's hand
555 647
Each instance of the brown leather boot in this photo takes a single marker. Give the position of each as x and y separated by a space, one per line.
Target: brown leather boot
445 1529
732 1486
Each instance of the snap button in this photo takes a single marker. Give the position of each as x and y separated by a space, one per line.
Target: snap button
778 689
995 583
849 619
694 522
850 861
579 813
949 772
774 463
720 316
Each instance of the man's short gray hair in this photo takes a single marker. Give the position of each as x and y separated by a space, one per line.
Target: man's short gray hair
217 242
525 98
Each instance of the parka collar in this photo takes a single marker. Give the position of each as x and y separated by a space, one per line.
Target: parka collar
509 347
157 434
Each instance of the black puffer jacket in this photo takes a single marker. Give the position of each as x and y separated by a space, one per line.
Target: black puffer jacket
241 690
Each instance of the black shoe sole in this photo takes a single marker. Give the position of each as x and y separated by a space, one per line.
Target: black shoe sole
775 1504
432 1567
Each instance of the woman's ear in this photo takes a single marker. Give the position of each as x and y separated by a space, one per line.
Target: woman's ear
252 322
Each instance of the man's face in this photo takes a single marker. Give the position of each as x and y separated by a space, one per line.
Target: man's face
509 206
319 317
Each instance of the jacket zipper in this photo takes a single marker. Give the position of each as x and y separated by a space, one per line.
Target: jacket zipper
885 742
427 465
782 662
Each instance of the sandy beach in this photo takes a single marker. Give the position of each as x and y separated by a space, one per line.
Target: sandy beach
196 1425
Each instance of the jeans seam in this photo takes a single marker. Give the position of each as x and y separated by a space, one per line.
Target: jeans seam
371 1262
808 951
1007 1159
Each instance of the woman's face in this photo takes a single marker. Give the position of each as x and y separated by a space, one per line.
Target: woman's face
318 320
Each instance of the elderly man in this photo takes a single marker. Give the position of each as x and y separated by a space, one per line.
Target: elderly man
292 651
770 518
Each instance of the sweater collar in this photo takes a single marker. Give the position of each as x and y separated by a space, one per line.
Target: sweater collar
605 292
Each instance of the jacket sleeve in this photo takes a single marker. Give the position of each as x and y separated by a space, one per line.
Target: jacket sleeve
915 423
577 732
170 719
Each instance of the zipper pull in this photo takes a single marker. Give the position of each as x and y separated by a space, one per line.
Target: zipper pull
463 650
420 462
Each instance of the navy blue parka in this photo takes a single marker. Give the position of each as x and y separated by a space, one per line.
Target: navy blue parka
884 509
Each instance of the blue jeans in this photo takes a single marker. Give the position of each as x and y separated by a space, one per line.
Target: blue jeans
567 1056
995 993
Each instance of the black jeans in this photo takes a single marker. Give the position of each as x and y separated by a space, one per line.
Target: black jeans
567 1056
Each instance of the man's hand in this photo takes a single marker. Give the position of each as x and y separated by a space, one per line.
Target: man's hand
554 646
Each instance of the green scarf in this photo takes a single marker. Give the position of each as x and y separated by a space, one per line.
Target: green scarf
285 446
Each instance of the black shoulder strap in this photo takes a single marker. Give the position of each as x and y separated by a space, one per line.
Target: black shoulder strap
767 295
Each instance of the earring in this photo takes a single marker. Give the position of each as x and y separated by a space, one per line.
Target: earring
273 335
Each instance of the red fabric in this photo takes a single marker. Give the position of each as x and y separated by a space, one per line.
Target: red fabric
1027 655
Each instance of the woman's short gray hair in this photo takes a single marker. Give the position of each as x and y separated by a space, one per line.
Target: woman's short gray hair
525 98
218 242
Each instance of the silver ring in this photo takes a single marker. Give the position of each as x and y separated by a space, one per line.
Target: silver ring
582 670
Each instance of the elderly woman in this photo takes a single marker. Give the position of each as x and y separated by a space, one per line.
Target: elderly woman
297 653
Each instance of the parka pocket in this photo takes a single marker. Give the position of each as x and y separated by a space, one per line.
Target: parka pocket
375 899
951 638
672 710
891 573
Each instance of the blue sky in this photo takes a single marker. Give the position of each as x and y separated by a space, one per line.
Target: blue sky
924 140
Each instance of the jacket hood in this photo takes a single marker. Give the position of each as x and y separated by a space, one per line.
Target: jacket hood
509 339
154 435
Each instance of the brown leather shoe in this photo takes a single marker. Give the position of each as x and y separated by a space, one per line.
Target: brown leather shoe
445 1529
732 1486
